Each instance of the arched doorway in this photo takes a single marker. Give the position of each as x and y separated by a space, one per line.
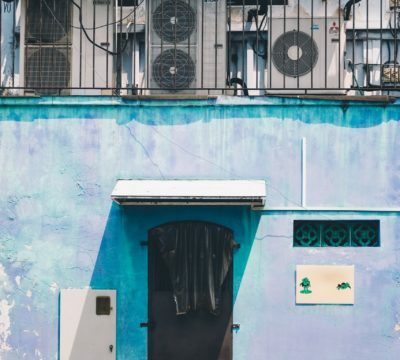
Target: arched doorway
190 290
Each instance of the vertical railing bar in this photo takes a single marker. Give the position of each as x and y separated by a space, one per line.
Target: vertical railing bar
269 45
134 45
94 41
1 48
312 38
229 39
244 78
216 45
380 46
162 25
368 77
395 15
68 31
354 47
340 47
40 46
297 41
189 39
326 45
284 31
175 47
147 44
120 50
52 83
107 40
80 49
13 46
257 50
202 44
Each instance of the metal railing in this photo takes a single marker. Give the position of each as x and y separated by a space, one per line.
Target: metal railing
199 47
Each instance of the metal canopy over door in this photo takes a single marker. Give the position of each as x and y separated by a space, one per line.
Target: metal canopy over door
190 292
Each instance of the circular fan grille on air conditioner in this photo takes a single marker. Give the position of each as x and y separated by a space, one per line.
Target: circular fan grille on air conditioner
47 68
47 22
173 69
174 21
294 53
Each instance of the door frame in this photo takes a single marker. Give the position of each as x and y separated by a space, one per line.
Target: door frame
228 337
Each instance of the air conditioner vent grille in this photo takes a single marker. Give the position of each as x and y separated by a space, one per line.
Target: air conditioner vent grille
173 69
48 22
294 53
47 67
174 21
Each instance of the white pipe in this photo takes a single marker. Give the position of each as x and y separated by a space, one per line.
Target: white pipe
303 172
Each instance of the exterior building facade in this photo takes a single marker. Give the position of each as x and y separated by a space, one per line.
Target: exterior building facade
321 160
147 212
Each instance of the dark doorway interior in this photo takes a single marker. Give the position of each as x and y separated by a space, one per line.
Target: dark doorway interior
190 291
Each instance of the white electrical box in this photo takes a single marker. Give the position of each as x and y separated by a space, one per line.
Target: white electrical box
88 324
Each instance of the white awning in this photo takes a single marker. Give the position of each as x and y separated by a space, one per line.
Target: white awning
190 192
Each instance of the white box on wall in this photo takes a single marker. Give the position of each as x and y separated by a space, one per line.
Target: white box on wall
325 284
86 330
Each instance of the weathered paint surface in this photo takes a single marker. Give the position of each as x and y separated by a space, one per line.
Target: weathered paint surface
60 158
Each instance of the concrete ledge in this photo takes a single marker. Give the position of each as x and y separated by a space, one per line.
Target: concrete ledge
169 97
346 98
201 101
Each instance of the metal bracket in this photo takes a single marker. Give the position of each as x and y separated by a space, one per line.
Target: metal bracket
235 327
148 325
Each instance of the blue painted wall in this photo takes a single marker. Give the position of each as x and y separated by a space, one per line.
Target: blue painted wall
61 157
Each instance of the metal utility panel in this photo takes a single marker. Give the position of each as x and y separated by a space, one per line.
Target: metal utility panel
306 54
87 324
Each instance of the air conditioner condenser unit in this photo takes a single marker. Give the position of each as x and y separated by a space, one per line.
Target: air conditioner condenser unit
306 56
56 57
186 46
394 4
390 74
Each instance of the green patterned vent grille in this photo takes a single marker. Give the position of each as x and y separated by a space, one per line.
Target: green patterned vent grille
310 233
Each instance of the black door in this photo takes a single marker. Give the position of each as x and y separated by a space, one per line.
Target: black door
190 292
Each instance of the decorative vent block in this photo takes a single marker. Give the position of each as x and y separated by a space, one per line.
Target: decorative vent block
334 233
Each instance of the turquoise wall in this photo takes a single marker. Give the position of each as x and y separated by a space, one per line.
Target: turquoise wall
60 159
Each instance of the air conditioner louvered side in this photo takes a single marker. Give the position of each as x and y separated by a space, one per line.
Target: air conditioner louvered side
48 69
48 22
306 55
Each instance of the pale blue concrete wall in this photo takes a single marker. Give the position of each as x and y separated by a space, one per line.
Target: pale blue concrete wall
61 157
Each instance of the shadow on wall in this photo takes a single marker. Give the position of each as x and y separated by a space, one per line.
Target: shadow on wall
122 260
